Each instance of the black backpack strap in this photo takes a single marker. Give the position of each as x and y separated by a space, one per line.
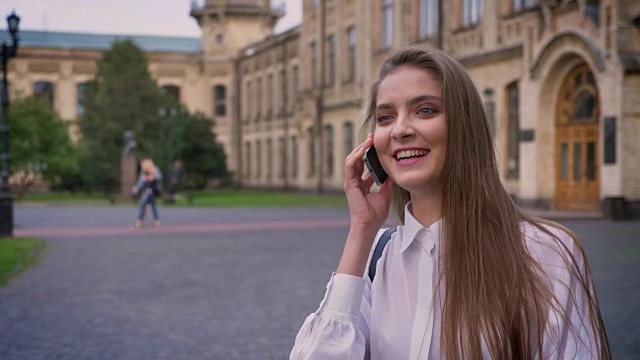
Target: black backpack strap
377 252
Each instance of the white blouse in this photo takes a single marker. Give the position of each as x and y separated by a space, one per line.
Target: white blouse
398 315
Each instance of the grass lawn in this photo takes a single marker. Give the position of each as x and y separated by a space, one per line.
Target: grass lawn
66 198
254 198
208 198
16 254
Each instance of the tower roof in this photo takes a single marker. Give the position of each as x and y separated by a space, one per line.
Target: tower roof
89 41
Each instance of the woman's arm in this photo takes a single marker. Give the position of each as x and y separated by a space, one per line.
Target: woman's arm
338 329
367 211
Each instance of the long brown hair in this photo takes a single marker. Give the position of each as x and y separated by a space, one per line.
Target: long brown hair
494 289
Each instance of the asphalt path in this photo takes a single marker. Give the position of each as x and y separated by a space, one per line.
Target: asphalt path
220 283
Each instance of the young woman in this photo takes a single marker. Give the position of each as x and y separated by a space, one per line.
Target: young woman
468 275
148 185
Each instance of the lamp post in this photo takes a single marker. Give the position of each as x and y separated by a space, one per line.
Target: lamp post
6 199
168 119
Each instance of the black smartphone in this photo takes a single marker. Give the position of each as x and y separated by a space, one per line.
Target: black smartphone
372 163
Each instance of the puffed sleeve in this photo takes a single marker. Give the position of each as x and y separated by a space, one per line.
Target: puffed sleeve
570 333
338 329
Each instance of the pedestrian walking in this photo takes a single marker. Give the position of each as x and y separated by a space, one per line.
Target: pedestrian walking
468 274
149 187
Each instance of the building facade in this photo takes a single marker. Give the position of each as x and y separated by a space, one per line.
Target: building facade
560 80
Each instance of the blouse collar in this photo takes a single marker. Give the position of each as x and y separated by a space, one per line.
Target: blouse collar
412 229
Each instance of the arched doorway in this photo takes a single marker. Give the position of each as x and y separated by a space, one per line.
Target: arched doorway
577 148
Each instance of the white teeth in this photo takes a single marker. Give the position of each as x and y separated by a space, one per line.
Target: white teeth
410 153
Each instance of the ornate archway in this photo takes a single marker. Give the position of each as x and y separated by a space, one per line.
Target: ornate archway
577 147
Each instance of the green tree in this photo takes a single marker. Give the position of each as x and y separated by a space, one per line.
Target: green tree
123 96
40 145
202 156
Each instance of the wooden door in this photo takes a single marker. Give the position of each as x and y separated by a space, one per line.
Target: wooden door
577 146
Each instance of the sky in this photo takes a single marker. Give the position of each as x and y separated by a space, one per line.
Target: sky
134 17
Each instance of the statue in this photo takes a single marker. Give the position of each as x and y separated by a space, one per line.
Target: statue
128 165
130 144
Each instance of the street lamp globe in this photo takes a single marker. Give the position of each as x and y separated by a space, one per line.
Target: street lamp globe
13 21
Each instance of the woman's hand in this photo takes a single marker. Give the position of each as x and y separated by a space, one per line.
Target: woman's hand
368 211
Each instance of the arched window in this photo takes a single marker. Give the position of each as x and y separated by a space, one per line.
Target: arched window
44 90
172 90
219 100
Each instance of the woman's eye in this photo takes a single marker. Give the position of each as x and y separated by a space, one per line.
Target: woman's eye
426 111
383 118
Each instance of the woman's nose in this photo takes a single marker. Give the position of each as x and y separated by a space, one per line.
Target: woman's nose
402 128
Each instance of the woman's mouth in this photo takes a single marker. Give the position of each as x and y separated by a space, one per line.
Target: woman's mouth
410 154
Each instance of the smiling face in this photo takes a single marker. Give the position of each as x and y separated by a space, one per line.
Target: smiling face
411 129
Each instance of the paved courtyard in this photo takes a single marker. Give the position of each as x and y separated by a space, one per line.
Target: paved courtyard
220 283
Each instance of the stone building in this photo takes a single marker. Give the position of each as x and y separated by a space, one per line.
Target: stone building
560 80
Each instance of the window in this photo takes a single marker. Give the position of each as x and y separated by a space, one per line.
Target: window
520 5
248 108
428 18
314 64
294 157
44 90
219 100
258 98
258 159
592 8
270 91
312 152
331 59
348 138
80 91
247 169
172 90
328 133
513 134
387 23
490 110
471 12
269 159
283 92
296 84
283 157
351 53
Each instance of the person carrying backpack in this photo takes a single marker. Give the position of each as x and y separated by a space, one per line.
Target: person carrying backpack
149 187
468 274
